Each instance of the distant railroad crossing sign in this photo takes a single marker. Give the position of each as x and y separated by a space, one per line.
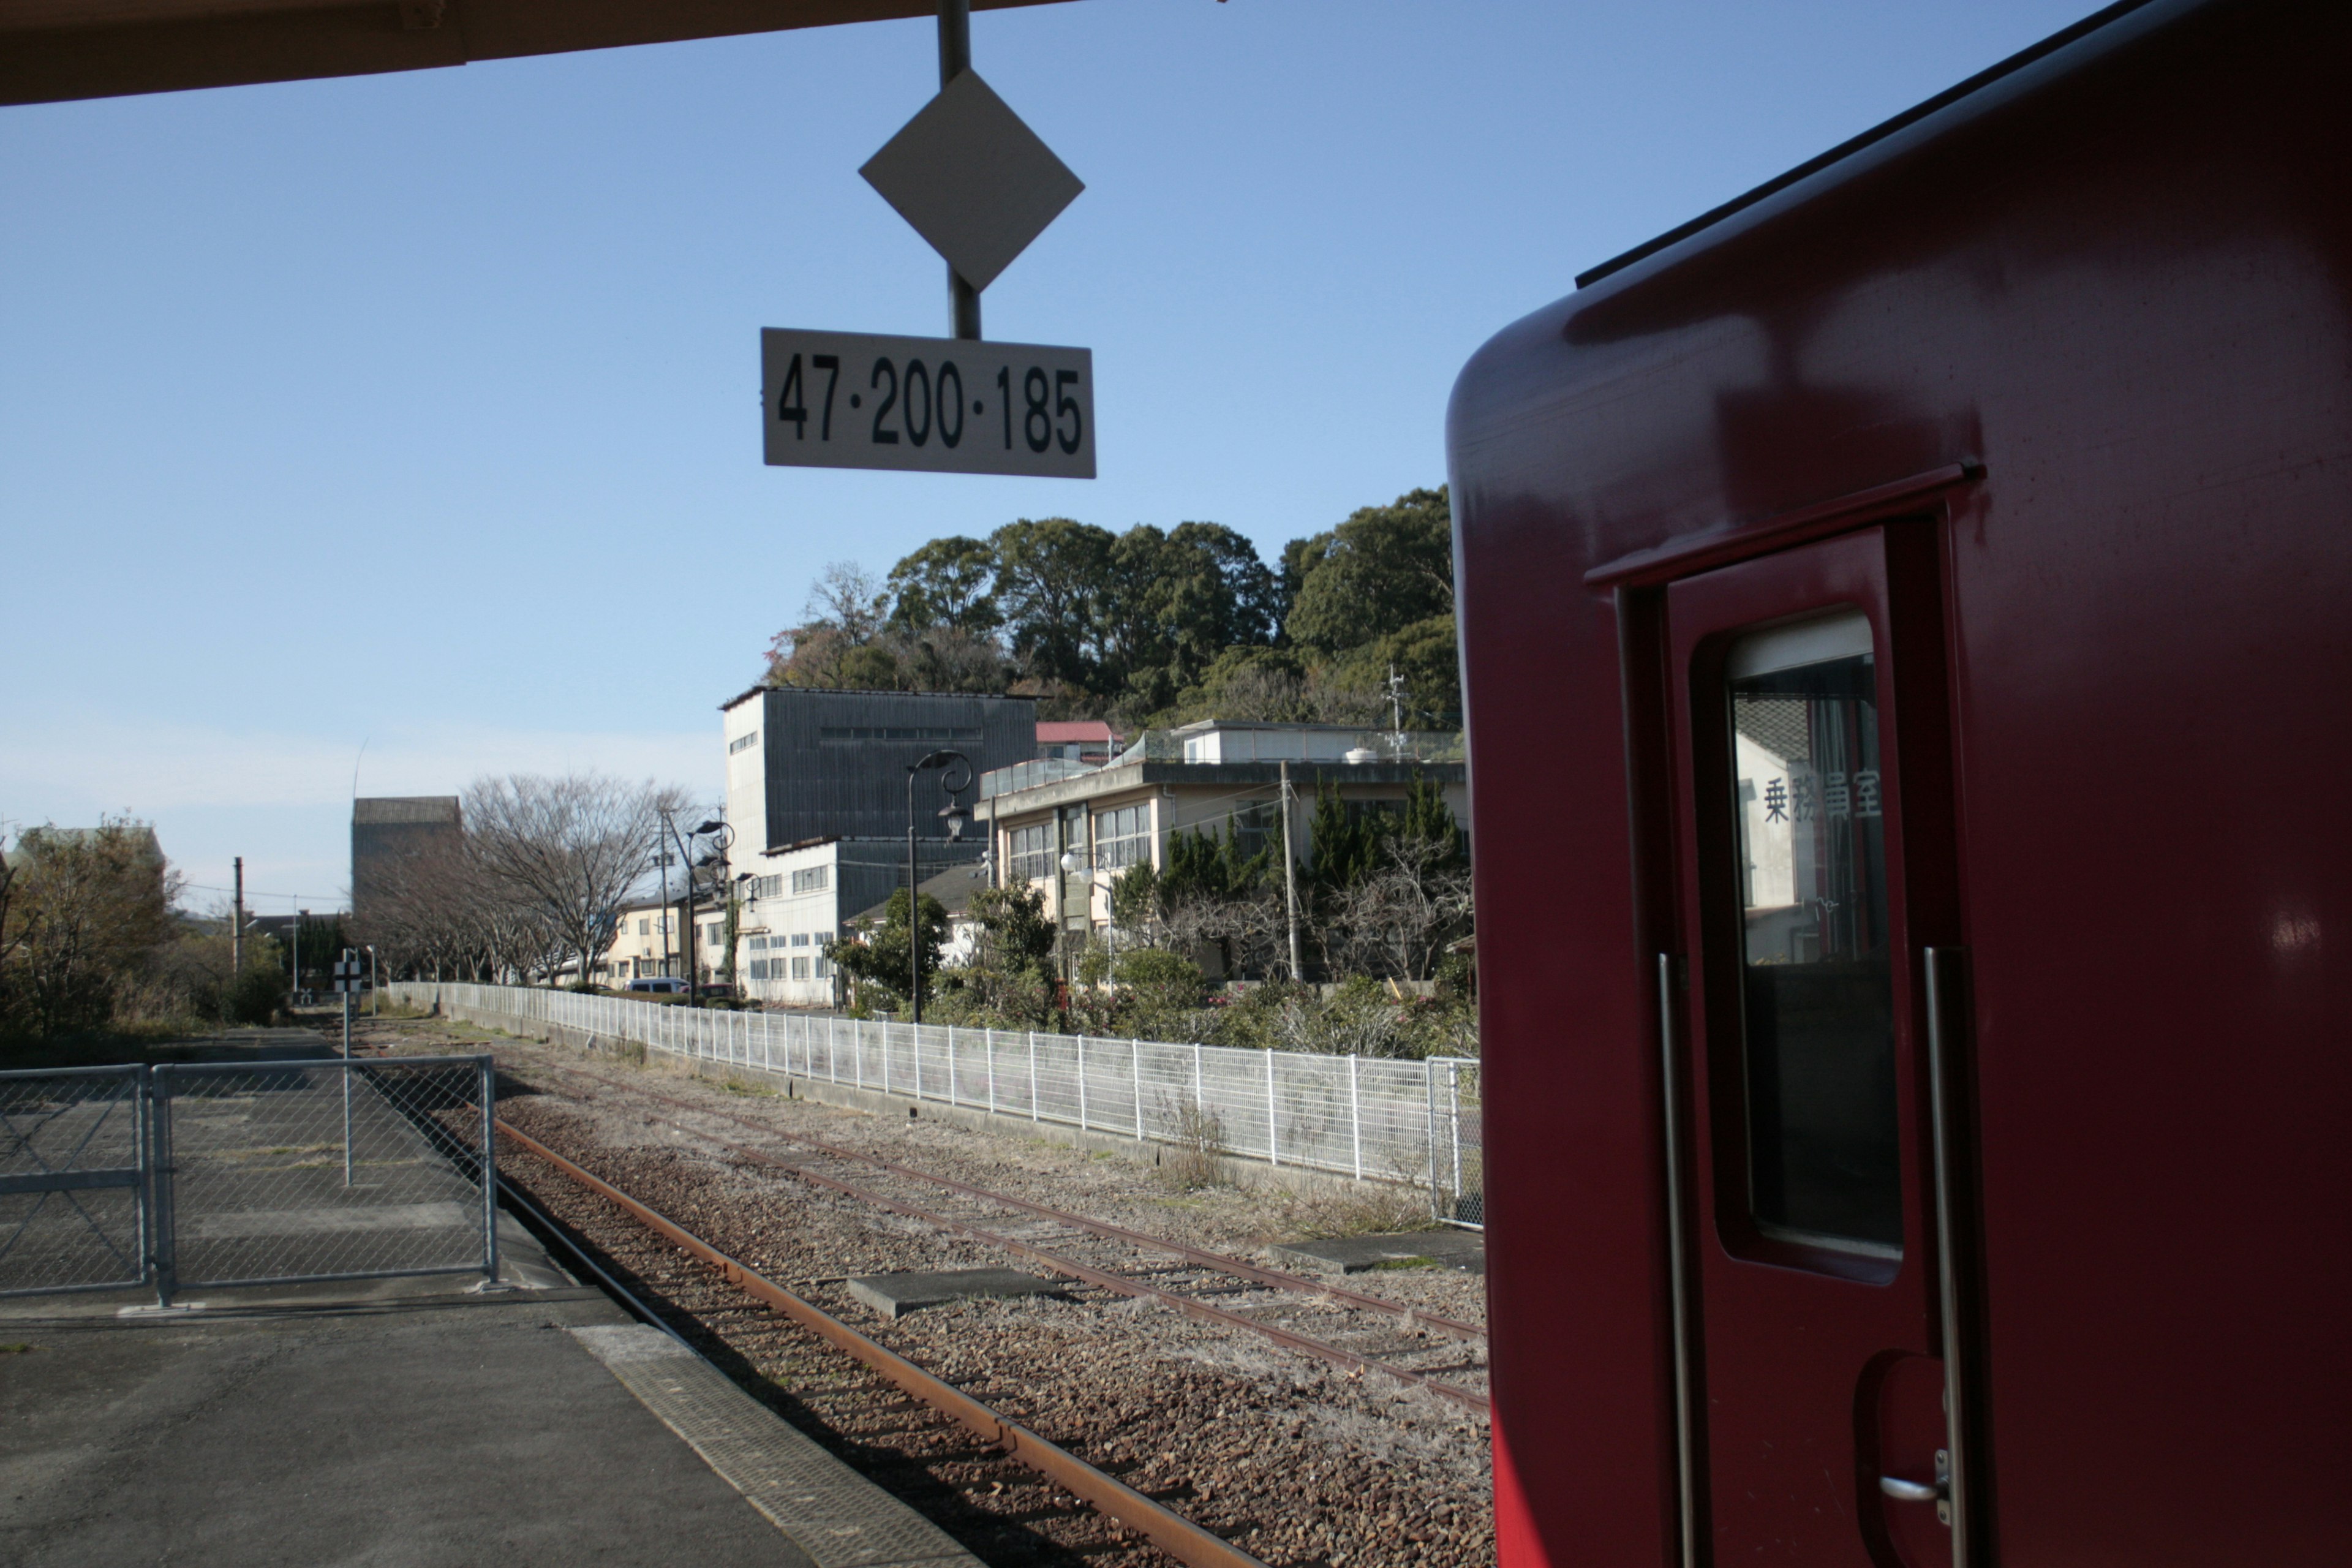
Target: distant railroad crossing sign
945 405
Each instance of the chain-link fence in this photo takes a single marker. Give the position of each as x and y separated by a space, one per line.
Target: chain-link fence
1457 1159
73 1180
223 1173
1371 1118
291 1171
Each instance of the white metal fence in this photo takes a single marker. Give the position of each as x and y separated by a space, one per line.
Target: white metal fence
1457 1157
1366 1117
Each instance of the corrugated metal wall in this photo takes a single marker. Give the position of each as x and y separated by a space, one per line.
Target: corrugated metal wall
836 761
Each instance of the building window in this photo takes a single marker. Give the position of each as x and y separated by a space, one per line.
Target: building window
716 936
645 927
812 881
1033 851
800 938
800 968
823 967
1258 828
1122 838
743 743
767 886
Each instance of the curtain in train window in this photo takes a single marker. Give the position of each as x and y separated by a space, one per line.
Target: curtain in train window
1818 1025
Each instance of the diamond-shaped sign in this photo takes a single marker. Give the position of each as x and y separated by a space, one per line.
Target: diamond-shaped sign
972 179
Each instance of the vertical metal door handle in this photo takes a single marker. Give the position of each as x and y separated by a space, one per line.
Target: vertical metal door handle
1944 977
1684 1466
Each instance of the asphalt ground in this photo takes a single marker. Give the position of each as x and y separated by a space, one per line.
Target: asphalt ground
422 1421
419 1426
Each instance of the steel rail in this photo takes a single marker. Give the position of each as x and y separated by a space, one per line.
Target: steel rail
1192 1305
1222 1263
1169 1530
549 1229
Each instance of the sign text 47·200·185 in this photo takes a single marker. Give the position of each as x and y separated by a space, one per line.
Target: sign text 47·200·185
949 406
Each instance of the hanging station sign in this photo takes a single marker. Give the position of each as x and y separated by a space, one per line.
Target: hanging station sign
942 405
979 185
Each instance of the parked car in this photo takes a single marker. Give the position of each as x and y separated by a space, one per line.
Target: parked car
719 990
663 984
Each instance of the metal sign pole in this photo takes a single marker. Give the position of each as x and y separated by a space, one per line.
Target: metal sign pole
955 58
343 984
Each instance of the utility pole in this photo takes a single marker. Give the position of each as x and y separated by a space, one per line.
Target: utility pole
1290 877
300 915
1396 712
955 58
662 857
236 926
691 941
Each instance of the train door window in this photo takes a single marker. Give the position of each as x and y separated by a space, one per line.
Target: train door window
1816 997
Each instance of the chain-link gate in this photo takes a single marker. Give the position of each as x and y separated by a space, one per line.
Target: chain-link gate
282 1173
226 1173
1457 1161
73 1180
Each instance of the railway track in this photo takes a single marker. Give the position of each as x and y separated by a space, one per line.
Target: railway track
1165 1529
1379 1335
1301 1462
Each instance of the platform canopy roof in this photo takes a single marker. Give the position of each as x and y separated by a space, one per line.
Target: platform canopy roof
55 49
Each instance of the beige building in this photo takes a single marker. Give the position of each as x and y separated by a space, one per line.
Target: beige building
647 943
1071 832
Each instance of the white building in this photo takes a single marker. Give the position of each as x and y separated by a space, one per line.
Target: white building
790 910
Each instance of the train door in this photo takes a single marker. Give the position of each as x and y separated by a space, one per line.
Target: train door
1815 825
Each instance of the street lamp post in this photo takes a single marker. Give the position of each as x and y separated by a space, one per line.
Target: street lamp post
955 816
711 828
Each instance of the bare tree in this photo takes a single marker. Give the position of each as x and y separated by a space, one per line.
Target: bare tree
1399 918
560 856
847 595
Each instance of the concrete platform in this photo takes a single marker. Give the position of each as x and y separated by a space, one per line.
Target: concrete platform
408 1422
895 1295
1444 1248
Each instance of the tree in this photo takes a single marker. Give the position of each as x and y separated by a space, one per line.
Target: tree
1398 920
1343 845
318 942
879 958
1051 577
948 582
1377 594
1016 931
846 596
834 644
944 658
561 855
83 912
1382 570
1154 625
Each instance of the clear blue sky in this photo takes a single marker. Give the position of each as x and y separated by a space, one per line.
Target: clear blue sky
421 411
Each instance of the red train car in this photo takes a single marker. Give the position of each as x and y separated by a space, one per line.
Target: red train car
1909 659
